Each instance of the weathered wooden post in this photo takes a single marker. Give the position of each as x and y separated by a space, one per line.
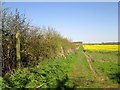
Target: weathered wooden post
18 49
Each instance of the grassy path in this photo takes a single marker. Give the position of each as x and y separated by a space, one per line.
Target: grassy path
85 75
82 75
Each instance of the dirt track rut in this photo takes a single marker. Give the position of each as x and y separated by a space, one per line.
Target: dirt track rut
89 60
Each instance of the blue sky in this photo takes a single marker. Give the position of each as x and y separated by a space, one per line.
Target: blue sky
83 21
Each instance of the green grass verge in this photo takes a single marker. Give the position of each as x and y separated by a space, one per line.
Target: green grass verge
82 76
52 73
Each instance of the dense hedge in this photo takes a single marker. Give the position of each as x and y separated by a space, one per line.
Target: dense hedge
36 43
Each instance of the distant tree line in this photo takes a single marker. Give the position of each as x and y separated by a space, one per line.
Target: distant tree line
36 43
103 43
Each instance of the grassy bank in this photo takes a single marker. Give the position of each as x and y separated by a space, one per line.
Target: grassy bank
51 73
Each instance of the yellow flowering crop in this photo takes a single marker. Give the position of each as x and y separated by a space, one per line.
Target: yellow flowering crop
102 47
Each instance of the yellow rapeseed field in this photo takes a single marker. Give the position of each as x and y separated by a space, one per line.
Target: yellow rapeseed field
102 47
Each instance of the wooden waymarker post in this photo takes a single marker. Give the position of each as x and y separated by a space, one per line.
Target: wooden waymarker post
18 49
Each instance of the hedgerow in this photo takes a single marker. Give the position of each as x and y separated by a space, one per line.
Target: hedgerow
36 43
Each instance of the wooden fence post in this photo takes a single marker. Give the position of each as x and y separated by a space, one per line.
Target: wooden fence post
18 49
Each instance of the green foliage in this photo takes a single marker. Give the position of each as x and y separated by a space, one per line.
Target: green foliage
3 84
52 73
114 74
